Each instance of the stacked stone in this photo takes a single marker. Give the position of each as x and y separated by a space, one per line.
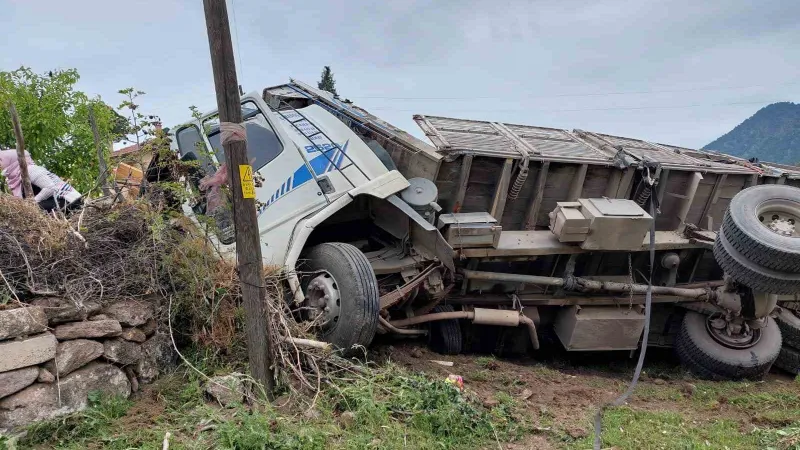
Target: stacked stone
53 353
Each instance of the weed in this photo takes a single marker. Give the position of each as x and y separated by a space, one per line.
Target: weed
96 420
547 373
785 438
249 431
480 375
487 362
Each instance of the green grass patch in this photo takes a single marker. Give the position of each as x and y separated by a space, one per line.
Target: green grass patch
96 422
390 408
487 362
653 392
625 428
480 375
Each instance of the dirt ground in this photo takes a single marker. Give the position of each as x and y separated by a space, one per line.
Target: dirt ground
562 392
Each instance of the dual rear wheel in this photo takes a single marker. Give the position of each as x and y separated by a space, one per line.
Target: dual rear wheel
712 352
758 246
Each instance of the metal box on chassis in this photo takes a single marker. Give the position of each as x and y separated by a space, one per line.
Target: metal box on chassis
592 328
616 224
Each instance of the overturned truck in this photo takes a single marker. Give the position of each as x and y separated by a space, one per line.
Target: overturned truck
516 232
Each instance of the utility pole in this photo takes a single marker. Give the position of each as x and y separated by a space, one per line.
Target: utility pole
27 189
248 245
102 178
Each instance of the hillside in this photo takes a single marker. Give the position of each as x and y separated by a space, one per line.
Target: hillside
771 134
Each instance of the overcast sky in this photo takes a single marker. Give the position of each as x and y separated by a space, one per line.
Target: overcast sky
677 72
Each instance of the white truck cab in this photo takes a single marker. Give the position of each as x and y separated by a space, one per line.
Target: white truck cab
308 168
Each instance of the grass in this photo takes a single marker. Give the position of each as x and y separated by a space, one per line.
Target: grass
487 362
717 415
626 428
97 420
391 409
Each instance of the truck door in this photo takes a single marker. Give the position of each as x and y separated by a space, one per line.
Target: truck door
286 187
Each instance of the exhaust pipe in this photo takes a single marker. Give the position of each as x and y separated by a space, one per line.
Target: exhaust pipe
480 316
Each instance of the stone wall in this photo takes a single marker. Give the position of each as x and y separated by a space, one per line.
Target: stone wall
53 353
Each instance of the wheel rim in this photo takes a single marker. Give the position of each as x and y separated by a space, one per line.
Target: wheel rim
717 327
323 300
780 216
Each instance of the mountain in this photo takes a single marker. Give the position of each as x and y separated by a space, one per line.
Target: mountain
771 134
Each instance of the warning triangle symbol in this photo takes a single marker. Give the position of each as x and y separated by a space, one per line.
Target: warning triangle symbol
247 176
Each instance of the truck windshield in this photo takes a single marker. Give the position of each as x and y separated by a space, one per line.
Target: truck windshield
263 144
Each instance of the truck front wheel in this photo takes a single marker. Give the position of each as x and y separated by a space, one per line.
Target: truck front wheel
712 353
342 295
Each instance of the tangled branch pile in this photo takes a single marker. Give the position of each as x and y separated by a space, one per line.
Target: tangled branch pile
98 255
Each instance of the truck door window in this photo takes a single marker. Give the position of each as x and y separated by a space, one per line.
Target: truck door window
192 148
263 144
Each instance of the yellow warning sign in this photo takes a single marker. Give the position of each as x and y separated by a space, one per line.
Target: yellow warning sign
246 176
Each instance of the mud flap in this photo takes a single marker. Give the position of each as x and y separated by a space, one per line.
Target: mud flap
424 236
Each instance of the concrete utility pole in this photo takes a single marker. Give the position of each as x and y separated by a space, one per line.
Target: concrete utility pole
248 245
27 189
102 178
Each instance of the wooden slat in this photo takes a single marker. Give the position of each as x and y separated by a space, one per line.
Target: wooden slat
463 180
533 210
625 184
576 187
662 185
712 198
501 192
613 183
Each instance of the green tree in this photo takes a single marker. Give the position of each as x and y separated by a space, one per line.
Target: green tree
55 122
327 83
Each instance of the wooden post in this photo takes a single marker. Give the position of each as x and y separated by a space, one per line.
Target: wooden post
662 185
712 198
533 209
625 184
102 177
576 187
613 183
27 189
248 245
463 181
501 191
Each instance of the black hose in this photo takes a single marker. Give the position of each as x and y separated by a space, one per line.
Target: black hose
648 306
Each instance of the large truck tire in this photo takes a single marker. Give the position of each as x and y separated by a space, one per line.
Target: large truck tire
444 336
750 273
341 279
707 358
760 225
789 324
789 360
